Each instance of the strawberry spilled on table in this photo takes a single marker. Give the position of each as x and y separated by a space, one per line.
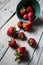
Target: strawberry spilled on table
21 36
11 31
27 26
20 53
13 44
19 24
32 42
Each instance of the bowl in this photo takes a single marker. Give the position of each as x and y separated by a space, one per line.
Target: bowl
33 3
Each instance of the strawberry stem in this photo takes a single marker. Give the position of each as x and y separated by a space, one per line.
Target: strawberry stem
14 28
18 55
30 43
10 41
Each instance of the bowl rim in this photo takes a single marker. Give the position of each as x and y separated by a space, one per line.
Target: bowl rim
22 20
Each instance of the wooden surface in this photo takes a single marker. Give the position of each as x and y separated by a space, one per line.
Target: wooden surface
7 11
9 58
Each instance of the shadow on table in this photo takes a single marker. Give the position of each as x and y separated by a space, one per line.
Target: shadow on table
26 59
36 24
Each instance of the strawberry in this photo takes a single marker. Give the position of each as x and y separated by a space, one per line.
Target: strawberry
22 11
29 9
32 42
21 35
12 43
11 31
19 24
20 53
27 26
25 16
31 16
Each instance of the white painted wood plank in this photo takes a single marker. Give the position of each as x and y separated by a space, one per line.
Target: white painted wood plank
38 59
8 11
41 58
3 3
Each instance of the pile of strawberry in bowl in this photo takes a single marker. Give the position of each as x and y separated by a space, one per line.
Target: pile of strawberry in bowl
27 13
28 10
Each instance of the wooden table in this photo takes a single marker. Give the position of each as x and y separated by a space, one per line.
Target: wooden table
9 18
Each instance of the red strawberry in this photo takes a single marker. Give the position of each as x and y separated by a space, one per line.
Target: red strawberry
20 53
31 16
12 43
32 42
22 11
11 31
27 26
29 9
21 35
19 24
25 16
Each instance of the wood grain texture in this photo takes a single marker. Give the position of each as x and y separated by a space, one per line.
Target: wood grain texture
3 3
38 56
7 11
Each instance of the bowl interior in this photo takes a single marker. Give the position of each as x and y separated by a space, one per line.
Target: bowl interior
26 3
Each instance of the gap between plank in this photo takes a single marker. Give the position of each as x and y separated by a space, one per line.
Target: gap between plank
7 20
4 53
35 48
